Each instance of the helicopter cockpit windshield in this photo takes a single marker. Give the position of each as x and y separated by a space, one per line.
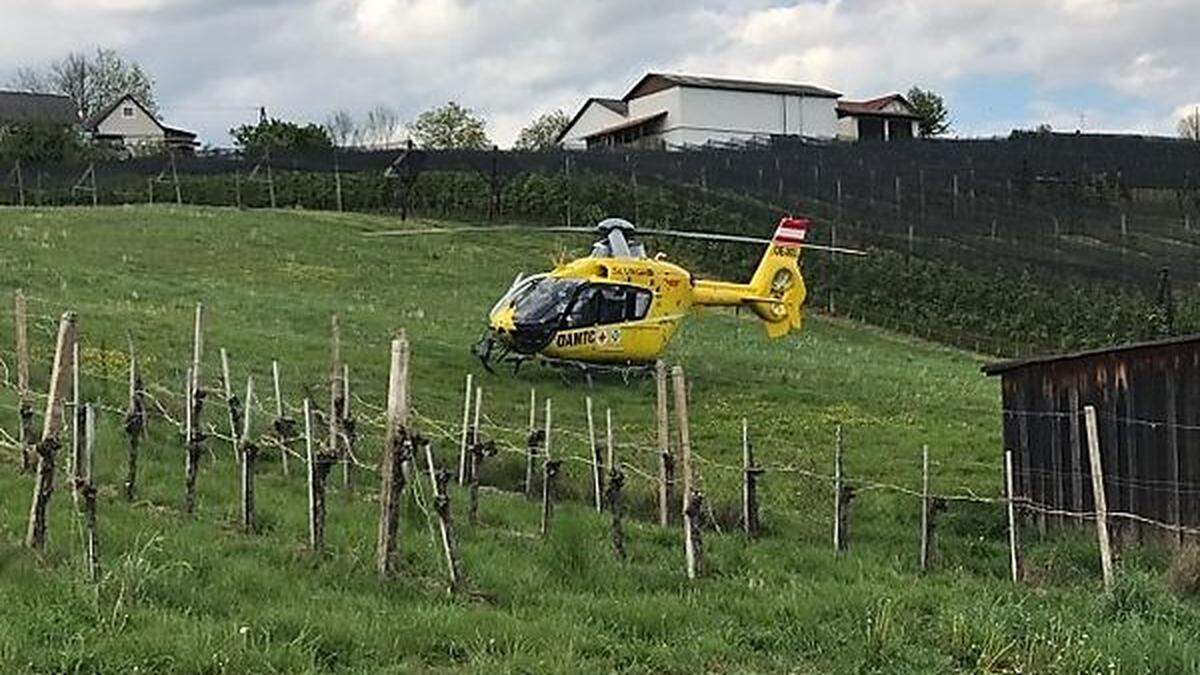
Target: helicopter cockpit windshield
539 304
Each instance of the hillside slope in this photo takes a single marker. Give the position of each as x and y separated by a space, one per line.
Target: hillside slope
191 594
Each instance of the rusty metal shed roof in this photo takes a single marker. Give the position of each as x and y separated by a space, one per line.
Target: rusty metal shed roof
1001 367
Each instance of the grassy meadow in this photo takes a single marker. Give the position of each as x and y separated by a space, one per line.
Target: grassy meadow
194 595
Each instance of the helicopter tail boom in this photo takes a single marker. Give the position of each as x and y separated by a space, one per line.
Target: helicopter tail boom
776 292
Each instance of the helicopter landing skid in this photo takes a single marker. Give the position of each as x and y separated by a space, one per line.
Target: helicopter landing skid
491 352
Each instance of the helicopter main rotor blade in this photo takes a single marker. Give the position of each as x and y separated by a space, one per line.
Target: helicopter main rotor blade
680 234
739 239
477 229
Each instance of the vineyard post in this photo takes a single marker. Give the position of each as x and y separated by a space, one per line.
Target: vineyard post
283 426
270 182
441 505
692 499
898 195
20 183
335 447
347 426
610 445
78 427
337 183
597 464
531 443
319 464
248 452
930 508
549 471
750 475
135 422
237 187
666 462
1014 535
25 430
195 405
616 480
465 438
396 448
52 425
87 489
843 494
474 432
1101 500
954 187
233 404
175 179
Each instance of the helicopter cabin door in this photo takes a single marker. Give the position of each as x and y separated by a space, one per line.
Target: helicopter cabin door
606 323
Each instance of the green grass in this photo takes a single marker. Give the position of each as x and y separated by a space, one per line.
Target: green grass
191 594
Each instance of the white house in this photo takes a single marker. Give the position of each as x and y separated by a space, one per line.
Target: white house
887 118
675 111
127 124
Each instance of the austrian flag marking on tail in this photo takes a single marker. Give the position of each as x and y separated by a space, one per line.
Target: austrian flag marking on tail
791 232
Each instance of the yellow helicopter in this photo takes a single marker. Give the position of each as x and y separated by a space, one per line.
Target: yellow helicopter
619 307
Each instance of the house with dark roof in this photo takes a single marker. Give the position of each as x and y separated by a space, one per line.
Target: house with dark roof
664 110
887 118
22 107
127 125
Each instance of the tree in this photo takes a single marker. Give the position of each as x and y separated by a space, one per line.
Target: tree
275 135
449 127
90 81
543 132
935 118
1189 125
381 125
342 129
41 141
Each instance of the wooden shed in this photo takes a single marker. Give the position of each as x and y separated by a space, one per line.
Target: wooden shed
1147 400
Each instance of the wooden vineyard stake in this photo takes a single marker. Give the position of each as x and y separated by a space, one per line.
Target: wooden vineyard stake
441 505
397 449
597 464
25 435
692 499
52 425
750 474
465 440
609 445
1101 499
233 403
532 443
86 487
78 428
612 495
474 436
666 462
135 423
285 427
319 464
349 435
931 507
194 437
247 451
843 494
549 473
1014 535
336 389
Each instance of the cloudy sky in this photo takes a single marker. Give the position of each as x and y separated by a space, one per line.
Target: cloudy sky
1111 65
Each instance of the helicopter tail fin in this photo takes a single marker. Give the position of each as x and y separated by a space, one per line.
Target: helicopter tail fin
778 278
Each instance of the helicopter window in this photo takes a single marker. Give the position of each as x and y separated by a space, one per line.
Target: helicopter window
544 299
607 304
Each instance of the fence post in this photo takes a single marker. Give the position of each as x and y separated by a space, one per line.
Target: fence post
337 182
319 464
25 430
750 474
692 499
842 496
610 443
666 463
87 490
930 508
78 427
441 505
532 442
135 422
549 472
465 439
248 452
285 427
233 404
1014 535
349 437
396 450
237 187
336 403
597 481
616 481
1101 500
20 183
194 438
52 425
